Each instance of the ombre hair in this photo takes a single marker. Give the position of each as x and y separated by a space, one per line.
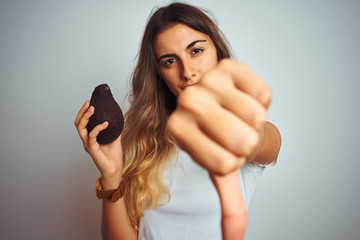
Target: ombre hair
147 146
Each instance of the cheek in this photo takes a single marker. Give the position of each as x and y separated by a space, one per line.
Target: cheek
170 81
214 62
214 59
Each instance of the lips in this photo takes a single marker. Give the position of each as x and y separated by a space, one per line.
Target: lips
188 85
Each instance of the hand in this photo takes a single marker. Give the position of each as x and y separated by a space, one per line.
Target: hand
107 157
217 120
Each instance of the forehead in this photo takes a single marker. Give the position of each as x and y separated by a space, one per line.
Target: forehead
177 37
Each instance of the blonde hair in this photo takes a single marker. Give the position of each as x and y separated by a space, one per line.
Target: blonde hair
147 146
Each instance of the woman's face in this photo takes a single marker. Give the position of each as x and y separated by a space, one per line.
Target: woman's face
183 56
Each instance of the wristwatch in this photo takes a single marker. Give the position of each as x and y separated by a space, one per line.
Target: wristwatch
111 195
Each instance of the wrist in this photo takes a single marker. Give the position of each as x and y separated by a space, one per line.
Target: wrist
229 190
227 182
111 182
111 195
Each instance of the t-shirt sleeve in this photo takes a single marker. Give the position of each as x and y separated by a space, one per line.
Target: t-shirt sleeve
250 175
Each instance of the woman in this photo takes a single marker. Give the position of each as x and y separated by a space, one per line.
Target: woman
185 92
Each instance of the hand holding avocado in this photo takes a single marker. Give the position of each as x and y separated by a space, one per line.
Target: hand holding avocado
99 124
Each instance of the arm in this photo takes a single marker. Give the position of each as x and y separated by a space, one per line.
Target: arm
115 222
233 208
108 159
234 216
220 122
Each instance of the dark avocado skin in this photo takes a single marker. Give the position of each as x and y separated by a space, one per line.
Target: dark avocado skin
106 109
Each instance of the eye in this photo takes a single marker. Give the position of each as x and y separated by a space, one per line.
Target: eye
197 50
169 61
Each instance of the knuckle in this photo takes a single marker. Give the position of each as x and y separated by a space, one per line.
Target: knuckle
231 63
259 118
193 95
93 133
211 79
86 148
265 95
224 167
90 111
225 62
77 122
249 143
240 162
218 74
174 125
185 98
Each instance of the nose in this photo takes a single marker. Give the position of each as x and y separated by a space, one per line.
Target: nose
188 71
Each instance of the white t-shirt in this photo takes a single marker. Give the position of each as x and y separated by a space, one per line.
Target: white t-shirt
194 211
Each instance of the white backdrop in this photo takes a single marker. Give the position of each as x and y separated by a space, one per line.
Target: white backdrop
53 53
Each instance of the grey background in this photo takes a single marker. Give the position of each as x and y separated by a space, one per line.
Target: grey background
53 53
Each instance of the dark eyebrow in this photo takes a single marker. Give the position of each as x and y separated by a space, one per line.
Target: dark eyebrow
187 48
166 56
193 44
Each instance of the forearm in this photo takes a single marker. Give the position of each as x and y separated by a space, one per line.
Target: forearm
115 221
233 208
269 145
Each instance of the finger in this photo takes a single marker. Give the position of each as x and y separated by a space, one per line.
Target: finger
81 112
230 132
247 80
219 124
84 121
238 102
95 132
202 149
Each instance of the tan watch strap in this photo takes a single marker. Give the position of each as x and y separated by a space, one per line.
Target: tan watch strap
111 195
